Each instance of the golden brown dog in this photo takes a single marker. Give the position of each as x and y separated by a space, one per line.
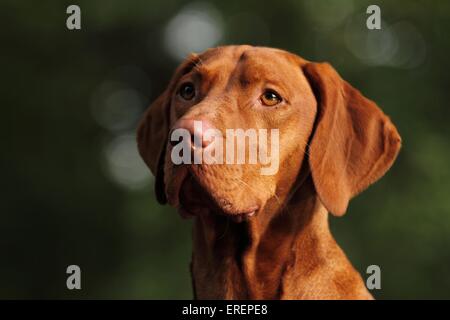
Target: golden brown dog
267 236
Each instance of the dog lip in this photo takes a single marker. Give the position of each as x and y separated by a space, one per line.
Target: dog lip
245 215
238 218
232 212
251 211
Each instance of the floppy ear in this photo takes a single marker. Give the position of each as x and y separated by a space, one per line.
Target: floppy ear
153 130
152 139
354 142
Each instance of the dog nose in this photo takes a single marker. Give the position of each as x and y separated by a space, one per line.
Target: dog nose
196 129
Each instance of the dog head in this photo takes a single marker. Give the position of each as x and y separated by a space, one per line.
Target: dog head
235 125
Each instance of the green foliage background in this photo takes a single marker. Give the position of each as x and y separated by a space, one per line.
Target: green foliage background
60 205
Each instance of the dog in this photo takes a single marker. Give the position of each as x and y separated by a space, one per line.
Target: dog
267 236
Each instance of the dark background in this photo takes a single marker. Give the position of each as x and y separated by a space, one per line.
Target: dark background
74 190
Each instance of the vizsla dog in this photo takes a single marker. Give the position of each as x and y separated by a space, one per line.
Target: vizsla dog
267 236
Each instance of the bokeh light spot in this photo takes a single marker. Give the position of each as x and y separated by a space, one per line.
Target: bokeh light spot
124 164
195 28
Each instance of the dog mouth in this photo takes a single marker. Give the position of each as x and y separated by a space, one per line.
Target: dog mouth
195 200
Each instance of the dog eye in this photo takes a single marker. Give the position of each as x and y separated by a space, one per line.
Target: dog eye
187 91
270 98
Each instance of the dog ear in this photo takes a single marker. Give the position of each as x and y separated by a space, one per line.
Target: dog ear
153 130
152 139
354 142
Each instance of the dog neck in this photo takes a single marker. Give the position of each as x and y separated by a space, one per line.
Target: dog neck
255 259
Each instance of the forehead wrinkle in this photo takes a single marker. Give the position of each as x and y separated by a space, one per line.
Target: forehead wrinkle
246 65
237 75
220 61
199 72
215 73
189 64
259 68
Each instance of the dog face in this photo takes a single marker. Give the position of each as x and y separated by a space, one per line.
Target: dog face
321 122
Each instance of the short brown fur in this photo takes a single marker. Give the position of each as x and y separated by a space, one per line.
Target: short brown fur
334 143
